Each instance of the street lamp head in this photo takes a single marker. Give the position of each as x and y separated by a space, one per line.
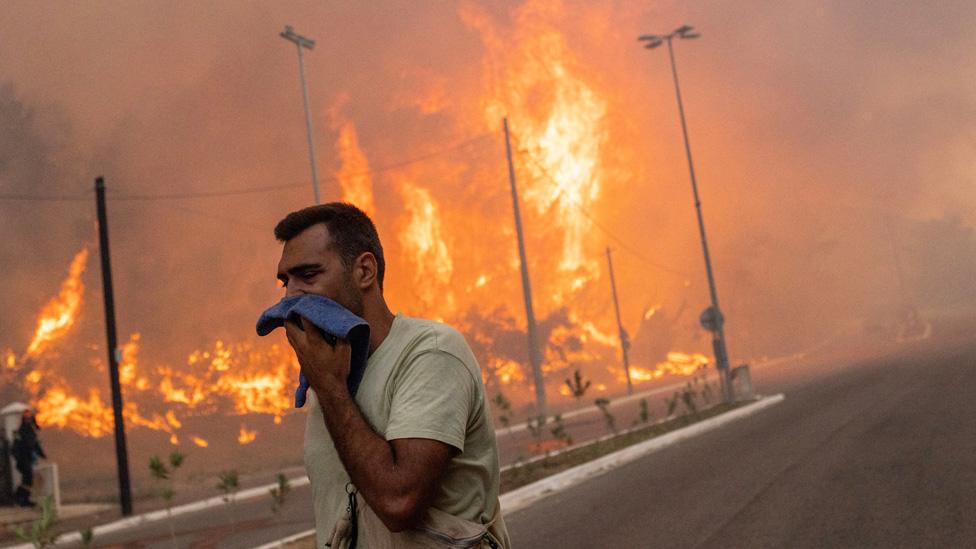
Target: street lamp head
686 31
651 41
298 39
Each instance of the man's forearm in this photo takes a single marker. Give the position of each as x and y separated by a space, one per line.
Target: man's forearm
368 458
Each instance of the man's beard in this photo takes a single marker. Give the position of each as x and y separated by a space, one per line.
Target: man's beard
352 298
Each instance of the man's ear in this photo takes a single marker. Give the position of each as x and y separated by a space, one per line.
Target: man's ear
365 270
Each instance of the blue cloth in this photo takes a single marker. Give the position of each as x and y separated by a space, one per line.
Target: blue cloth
334 320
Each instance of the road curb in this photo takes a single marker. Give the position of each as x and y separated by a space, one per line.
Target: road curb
520 498
153 516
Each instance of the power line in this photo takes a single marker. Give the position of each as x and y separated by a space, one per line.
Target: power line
251 190
46 198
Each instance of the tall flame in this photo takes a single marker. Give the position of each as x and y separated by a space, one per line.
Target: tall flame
60 313
557 117
422 238
353 175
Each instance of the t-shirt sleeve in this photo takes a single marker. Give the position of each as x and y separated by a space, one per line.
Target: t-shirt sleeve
432 398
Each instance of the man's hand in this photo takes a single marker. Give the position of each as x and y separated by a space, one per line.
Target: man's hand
325 366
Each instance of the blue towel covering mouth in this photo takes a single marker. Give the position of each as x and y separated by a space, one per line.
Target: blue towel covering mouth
334 320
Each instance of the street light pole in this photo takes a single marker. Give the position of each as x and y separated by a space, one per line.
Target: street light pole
711 319
535 357
302 42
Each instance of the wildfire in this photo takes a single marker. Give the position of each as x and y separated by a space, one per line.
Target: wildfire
558 117
92 416
59 314
353 175
681 364
422 237
235 378
246 436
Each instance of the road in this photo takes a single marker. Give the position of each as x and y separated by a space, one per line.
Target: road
861 453
250 523
880 453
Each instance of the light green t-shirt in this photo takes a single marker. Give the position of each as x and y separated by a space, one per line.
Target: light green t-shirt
422 382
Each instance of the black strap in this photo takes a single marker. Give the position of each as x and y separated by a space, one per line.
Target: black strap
353 516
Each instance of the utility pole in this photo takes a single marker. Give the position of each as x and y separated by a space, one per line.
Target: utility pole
535 359
624 338
711 318
121 455
302 42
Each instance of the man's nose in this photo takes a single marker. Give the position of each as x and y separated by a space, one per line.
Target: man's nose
293 290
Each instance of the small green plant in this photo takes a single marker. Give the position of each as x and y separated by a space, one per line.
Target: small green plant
536 426
644 414
505 405
163 476
41 533
279 493
229 483
604 406
558 430
577 385
87 538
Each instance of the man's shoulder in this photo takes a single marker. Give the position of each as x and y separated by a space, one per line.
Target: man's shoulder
430 335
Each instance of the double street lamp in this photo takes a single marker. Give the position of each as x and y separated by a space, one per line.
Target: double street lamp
711 318
306 43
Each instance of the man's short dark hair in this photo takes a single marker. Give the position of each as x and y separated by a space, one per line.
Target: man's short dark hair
353 232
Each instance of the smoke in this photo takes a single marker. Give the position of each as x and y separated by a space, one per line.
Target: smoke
811 124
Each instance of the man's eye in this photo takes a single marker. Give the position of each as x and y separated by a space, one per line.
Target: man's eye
309 274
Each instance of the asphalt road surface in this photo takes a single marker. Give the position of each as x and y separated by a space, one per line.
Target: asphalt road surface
880 453
862 453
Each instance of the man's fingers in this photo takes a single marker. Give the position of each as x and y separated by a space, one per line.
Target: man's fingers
294 333
316 336
312 331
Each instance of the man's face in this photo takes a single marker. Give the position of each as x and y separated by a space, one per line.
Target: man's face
309 265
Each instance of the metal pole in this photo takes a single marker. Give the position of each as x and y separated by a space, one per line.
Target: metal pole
624 338
121 455
534 358
718 338
302 42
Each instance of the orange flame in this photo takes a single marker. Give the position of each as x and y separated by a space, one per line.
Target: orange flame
353 175
681 364
200 442
558 118
422 238
246 436
60 313
92 416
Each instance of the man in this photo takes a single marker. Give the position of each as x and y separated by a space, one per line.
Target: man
415 447
26 449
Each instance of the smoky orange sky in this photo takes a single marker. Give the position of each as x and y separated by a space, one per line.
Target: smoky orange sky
833 142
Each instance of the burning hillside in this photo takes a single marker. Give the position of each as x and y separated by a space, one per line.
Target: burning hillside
445 215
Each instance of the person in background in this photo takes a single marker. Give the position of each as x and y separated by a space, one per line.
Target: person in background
26 449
